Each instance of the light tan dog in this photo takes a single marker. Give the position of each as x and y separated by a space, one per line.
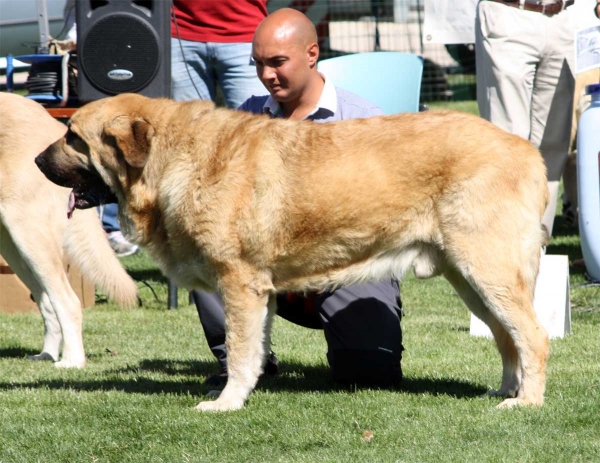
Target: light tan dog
251 206
34 229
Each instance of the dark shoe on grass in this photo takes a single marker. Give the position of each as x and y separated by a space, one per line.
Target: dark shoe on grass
272 365
219 381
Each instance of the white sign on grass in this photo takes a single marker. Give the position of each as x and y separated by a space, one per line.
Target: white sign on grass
551 303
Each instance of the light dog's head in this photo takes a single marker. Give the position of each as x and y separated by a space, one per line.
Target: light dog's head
104 151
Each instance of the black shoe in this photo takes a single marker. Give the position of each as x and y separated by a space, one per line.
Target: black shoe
216 380
272 365
271 369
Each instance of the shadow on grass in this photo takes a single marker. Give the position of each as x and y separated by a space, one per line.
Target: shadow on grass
17 352
570 248
148 275
141 379
561 228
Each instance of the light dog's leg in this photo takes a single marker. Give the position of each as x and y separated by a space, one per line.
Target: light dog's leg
511 373
245 319
531 342
52 333
60 306
493 237
509 298
41 265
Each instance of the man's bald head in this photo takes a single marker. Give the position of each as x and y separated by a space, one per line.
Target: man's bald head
286 26
286 51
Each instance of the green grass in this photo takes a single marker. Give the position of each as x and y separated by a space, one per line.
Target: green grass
134 401
466 106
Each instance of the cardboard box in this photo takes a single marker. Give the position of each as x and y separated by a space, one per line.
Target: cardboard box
15 297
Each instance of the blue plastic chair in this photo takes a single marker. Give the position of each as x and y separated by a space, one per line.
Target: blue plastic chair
391 80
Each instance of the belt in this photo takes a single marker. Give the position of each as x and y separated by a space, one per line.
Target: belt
533 5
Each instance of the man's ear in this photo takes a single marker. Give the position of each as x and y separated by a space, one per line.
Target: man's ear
312 51
133 137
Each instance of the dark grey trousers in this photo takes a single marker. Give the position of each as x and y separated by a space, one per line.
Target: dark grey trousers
361 325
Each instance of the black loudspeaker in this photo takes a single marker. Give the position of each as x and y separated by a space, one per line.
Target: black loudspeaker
123 46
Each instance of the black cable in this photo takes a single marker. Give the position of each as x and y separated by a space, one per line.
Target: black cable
43 79
151 289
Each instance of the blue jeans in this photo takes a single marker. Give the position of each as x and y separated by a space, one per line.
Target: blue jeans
229 65
108 216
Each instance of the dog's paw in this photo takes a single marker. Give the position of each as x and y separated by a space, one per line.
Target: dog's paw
219 406
509 403
517 402
70 364
42 356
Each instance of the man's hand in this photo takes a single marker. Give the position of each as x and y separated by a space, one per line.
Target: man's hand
597 9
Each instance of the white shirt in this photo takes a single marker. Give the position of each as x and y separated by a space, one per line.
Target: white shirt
327 100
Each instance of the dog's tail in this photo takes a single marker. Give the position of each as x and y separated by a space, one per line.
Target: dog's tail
545 236
86 244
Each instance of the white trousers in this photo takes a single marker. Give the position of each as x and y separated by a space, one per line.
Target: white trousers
525 80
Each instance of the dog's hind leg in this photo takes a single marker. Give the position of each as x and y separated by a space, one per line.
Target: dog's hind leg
515 312
493 236
511 374
246 317
41 259
506 289
52 333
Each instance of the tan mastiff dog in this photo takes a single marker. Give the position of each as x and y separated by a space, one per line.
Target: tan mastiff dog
251 206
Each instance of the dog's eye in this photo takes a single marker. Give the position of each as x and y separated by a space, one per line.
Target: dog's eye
71 137
75 141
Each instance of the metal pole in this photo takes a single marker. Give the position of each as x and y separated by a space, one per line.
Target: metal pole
375 13
43 26
172 295
420 25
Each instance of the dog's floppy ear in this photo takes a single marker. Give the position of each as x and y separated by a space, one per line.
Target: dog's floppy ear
133 137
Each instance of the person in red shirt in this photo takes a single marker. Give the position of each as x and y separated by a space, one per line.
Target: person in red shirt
211 45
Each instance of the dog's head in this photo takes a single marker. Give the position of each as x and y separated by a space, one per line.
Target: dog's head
103 152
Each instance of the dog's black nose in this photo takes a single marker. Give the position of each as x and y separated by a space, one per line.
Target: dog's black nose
40 161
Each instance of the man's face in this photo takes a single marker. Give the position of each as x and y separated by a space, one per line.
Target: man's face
283 68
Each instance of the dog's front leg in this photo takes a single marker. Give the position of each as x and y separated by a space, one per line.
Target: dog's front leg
245 324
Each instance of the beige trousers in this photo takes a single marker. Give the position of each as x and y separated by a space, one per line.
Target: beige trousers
525 81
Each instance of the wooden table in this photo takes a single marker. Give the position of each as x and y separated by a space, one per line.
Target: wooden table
61 113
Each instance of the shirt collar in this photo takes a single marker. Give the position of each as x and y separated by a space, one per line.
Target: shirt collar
327 101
